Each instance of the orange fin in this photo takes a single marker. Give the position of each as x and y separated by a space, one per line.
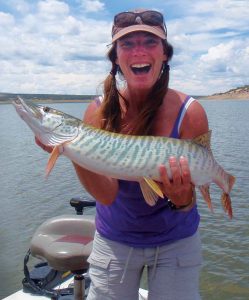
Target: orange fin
52 159
227 205
151 190
204 189
231 181
225 197
204 140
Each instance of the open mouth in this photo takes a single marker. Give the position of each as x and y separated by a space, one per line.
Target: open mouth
27 108
138 69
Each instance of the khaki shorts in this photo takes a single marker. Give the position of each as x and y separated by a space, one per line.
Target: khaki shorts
173 270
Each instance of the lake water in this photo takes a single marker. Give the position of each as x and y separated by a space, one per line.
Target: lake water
27 199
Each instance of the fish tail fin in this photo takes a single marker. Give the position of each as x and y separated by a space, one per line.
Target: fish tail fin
231 181
227 204
52 160
204 189
224 180
150 190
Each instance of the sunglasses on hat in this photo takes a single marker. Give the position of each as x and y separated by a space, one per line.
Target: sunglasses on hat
148 17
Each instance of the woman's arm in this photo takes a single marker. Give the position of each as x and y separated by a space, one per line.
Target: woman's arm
180 189
103 188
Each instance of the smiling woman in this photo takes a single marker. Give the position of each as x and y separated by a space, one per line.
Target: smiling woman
140 53
139 49
130 233
129 50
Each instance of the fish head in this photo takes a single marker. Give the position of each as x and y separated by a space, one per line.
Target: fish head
52 127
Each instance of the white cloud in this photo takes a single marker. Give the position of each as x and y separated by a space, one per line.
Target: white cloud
93 5
50 46
52 8
6 20
222 67
231 58
211 41
51 50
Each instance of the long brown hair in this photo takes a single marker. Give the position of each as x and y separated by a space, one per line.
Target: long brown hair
110 110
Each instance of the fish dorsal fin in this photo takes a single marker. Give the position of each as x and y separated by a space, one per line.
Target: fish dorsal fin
204 140
151 190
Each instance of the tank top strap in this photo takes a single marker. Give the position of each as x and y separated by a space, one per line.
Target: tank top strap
180 116
98 100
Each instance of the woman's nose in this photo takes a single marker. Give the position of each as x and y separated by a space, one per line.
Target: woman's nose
139 48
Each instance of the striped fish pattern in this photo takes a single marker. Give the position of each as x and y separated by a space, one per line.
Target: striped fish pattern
122 156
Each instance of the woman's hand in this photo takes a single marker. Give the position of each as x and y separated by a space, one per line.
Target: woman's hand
48 149
179 188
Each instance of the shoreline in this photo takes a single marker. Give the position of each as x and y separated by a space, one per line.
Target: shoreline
49 101
88 99
222 99
226 97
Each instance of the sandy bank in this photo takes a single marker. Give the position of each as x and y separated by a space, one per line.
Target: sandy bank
228 96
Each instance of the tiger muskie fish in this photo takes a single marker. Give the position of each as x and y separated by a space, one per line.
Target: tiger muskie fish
126 157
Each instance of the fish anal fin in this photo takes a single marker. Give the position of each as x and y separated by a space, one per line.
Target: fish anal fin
52 159
227 205
204 140
204 189
154 186
151 190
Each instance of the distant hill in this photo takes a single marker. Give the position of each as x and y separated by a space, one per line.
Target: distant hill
236 93
8 97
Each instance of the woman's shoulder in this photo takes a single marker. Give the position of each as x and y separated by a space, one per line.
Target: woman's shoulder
195 120
172 103
175 94
179 99
91 115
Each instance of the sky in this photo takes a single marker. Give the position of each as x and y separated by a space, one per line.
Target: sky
59 47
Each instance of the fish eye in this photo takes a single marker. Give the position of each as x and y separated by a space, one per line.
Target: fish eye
46 109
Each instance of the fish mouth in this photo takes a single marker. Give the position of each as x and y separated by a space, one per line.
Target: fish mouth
29 108
35 116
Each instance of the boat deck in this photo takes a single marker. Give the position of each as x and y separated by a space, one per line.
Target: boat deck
20 295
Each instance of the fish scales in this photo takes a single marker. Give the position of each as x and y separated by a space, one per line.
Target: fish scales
112 152
124 156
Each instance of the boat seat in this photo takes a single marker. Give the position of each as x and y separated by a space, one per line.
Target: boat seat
65 242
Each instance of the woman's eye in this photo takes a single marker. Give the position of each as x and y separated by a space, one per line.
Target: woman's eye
151 42
127 44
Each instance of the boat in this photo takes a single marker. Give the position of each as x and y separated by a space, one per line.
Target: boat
20 295
62 244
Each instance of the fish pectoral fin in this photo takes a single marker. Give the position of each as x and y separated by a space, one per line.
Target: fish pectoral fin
204 189
52 159
151 190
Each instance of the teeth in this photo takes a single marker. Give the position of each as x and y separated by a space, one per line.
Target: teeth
140 65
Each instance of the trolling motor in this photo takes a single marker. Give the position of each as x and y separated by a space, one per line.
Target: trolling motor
64 243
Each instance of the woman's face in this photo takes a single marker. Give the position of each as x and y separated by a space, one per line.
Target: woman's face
140 56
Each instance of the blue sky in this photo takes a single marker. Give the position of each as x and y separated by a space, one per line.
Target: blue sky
52 46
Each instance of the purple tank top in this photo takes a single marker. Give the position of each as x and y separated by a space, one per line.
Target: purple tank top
131 221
